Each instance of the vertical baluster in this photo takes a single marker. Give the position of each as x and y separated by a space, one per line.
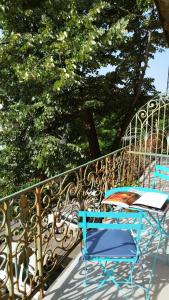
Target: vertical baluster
9 251
106 174
39 239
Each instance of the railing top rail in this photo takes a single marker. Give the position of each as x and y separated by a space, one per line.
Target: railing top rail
148 154
162 100
28 189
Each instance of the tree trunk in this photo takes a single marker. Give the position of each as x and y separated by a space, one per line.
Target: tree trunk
129 113
91 133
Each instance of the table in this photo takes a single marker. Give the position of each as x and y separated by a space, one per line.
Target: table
160 215
154 217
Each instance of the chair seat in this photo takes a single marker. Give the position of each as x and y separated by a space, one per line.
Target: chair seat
110 243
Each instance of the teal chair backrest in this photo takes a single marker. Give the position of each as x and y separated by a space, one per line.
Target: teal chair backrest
161 172
131 221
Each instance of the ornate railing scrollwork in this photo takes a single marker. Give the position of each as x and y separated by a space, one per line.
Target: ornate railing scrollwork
148 130
39 225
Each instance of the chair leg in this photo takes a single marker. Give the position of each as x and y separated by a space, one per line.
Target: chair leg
147 296
108 275
104 273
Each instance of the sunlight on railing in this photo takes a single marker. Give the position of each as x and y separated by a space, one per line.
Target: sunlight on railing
39 225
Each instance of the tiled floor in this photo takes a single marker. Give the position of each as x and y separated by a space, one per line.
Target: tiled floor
70 284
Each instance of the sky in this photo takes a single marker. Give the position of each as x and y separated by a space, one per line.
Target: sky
157 69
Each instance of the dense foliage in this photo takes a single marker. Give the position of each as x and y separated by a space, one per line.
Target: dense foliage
57 109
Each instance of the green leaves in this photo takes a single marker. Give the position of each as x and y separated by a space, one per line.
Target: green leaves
59 45
55 105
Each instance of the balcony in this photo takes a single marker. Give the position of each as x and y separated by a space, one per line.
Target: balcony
70 285
39 225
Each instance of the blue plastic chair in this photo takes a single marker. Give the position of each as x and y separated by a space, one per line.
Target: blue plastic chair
117 242
161 172
155 221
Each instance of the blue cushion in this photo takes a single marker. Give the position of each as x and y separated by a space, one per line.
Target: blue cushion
110 243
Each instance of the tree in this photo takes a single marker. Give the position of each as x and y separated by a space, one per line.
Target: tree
47 50
54 100
144 40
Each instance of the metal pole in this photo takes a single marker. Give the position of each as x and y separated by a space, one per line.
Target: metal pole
39 240
9 262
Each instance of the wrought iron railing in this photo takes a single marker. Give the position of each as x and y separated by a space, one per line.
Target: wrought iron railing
148 130
38 225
